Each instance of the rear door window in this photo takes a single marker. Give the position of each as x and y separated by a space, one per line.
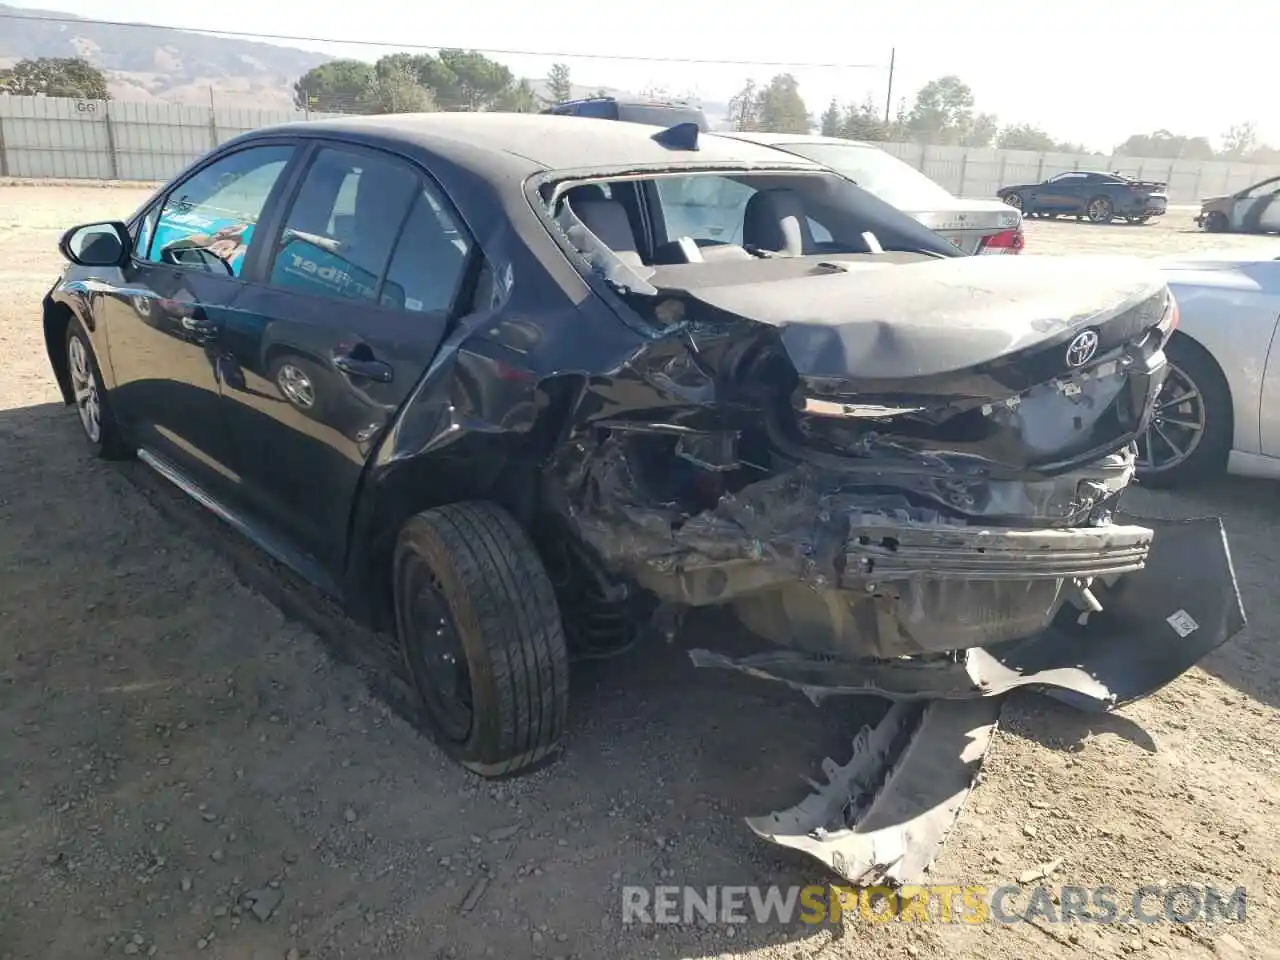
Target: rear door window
338 235
430 259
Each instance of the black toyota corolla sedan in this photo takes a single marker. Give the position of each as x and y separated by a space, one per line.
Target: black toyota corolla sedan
511 386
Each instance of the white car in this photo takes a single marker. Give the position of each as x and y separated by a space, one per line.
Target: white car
975 226
1219 408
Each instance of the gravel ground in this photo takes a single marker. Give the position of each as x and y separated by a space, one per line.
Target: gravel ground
176 741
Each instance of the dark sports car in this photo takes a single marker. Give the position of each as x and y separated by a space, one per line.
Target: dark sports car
1099 196
488 380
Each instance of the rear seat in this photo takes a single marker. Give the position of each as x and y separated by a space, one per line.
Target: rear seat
607 219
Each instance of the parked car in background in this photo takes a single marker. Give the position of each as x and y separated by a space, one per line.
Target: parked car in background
973 226
660 113
1251 210
1099 196
1219 407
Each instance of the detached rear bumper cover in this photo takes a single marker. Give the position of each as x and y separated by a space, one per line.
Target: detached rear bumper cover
1155 624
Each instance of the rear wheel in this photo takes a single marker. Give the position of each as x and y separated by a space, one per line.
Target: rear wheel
90 396
482 637
1189 435
1100 210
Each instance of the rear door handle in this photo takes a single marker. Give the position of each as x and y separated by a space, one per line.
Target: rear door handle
369 369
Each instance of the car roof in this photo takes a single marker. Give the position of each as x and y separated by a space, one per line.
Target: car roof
504 145
754 136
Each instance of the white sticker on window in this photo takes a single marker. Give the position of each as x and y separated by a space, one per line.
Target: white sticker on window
1182 623
412 304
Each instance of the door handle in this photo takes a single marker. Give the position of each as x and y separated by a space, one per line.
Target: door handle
368 368
200 325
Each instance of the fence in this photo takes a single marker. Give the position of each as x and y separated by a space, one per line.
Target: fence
115 140
119 140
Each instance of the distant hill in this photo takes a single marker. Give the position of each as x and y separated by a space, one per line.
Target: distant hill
178 66
174 66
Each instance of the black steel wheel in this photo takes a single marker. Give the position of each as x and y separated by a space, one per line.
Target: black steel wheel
1189 434
481 635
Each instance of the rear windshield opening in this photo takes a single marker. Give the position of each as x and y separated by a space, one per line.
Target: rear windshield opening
710 216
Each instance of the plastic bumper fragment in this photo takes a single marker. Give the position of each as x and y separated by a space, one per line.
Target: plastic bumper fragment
882 818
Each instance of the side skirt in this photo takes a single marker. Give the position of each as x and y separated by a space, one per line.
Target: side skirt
266 540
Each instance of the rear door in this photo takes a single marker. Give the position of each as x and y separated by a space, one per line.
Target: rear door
182 284
357 288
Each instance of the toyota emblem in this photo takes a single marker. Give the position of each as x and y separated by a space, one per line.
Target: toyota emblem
1081 350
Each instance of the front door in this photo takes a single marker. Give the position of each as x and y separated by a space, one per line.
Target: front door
355 295
181 285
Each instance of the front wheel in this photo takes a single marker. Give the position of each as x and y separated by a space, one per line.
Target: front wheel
90 396
1189 434
1015 200
482 637
1100 210
1217 222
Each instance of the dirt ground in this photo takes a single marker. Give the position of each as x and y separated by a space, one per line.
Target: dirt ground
174 740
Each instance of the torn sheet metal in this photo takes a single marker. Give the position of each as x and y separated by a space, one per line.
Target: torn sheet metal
1154 625
882 818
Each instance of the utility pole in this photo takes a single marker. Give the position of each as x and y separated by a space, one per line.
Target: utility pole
888 97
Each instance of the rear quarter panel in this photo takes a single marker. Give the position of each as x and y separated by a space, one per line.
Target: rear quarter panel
1232 313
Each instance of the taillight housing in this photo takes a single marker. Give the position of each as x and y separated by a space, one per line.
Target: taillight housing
1006 241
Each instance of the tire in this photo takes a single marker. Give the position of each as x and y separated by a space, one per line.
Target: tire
1015 200
471 591
1217 222
89 396
1193 365
1100 210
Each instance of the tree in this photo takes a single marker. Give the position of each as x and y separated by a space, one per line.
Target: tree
559 85
1163 145
980 131
55 77
600 92
470 80
339 86
1240 140
781 108
863 122
518 98
1024 136
943 112
744 108
831 120
395 89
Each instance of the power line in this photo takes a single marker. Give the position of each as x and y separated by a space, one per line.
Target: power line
250 35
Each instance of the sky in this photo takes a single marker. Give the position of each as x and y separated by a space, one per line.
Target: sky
1086 71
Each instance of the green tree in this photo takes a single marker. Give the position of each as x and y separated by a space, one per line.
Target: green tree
864 122
518 98
339 86
469 79
744 108
395 89
1164 145
600 92
781 108
1024 136
55 77
980 131
943 112
559 86
831 119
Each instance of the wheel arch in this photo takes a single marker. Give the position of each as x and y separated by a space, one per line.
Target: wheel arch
57 317
1194 343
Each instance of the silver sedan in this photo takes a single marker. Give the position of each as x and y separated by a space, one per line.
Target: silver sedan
1219 408
975 226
